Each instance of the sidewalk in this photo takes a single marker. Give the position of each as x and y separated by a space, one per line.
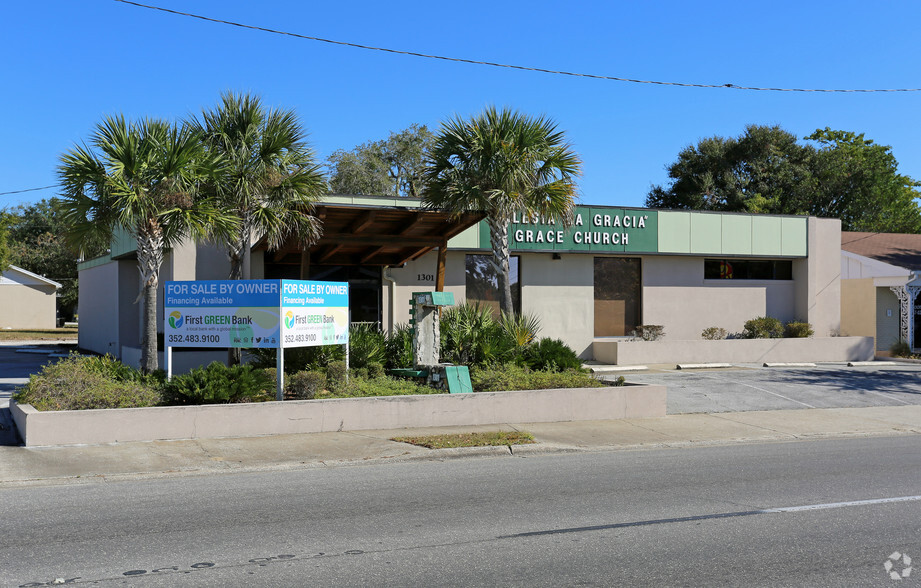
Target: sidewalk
99 463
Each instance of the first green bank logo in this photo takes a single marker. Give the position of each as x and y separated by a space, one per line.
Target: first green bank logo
175 319
289 320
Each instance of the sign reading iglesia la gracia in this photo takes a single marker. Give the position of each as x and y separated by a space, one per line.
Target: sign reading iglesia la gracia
593 229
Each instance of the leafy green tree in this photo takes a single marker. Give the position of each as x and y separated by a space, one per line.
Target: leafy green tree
143 178
502 162
858 182
765 170
36 239
4 241
269 179
391 167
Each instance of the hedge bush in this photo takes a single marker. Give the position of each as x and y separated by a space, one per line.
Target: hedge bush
305 385
83 382
763 327
798 330
383 386
509 376
714 333
551 355
219 384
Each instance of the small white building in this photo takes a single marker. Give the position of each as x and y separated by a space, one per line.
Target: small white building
27 300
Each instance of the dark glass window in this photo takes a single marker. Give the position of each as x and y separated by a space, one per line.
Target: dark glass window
483 283
748 269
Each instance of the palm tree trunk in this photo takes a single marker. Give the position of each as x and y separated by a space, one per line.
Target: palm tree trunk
498 228
150 258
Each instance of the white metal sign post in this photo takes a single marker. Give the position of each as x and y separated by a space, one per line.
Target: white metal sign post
255 314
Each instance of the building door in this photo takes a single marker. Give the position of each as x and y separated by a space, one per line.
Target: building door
618 296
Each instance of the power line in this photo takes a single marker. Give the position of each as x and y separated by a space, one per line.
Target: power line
28 190
518 67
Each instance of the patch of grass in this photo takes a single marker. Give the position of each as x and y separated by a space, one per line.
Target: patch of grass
37 334
490 439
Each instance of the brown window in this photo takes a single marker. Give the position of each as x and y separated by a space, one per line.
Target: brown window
618 296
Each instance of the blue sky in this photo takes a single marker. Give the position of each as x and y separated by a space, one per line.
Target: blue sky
67 63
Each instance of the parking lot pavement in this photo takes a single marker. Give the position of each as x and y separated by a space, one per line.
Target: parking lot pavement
750 387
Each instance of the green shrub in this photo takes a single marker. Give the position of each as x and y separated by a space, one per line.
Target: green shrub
80 383
509 376
376 370
551 355
298 359
384 386
714 333
305 385
798 330
399 348
336 375
763 327
219 384
650 332
367 345
900 349
470 335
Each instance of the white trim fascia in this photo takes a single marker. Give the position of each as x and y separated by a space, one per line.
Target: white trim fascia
876 268
27 273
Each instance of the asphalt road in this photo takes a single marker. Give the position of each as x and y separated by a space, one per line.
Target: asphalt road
688 517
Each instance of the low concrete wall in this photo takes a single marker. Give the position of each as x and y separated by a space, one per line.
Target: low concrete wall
735 350
76 427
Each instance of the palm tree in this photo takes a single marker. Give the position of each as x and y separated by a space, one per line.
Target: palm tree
270 180
142 178
502 162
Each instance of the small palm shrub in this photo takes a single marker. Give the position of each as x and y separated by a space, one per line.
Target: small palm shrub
470 335
763 327
367 345
82 382
798 330
399 348
714 333
551 355
219 384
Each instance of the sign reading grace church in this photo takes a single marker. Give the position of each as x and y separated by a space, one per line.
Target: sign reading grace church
593 229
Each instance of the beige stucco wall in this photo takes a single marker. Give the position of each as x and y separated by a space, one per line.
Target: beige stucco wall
818 284
676 296
99 308
561 293
858 308
27 307
343 414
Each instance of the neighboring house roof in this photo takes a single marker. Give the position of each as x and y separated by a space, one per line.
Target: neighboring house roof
14 275
896 249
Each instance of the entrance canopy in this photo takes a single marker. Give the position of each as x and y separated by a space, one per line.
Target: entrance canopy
362 232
